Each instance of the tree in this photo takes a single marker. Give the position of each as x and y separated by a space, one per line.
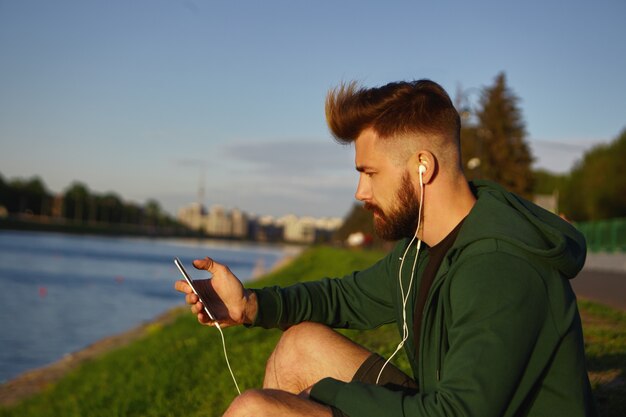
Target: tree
4 191
358 220
27 196
112 207
153 212
545 182
76 201
498 139
597 186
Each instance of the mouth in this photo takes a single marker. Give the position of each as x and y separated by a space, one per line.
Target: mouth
376 212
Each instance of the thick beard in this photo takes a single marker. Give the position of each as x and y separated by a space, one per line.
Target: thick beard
402 221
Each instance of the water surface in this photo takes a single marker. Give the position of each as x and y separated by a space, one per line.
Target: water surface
60 293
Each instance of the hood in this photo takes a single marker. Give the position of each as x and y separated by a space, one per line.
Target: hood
502 215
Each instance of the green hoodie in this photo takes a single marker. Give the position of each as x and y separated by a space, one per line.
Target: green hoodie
501 334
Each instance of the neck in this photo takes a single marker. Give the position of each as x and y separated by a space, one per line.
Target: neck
446 203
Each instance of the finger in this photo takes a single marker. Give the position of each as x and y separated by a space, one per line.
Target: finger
206 264
204 319
197 308
191 298
182 286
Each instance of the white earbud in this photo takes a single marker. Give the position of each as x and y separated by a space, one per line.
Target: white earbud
421 169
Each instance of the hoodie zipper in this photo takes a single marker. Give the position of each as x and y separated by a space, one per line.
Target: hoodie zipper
428 310
443 344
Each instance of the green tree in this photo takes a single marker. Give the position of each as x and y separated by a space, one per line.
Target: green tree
4 190
76 202
132 213
153 212
499 141
112 208
471 152
545 182
27 196
572 199
597 185
358 220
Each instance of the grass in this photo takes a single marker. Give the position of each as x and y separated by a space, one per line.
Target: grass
605 346
178 369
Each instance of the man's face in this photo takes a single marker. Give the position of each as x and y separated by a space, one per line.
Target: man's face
385 188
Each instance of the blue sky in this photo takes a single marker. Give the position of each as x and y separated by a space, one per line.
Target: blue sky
150 98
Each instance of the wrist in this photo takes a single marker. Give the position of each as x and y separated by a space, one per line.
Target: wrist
251 307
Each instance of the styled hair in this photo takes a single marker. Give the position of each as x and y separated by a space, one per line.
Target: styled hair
395 109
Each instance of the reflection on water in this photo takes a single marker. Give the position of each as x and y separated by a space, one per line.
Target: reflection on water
60 293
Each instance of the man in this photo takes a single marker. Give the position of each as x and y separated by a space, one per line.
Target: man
486 314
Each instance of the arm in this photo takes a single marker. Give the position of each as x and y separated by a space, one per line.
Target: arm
497 307
360 300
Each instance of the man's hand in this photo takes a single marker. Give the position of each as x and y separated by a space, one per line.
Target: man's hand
228 300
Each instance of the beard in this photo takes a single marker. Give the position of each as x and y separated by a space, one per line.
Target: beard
401 221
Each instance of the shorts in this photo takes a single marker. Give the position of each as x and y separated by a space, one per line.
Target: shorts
392 378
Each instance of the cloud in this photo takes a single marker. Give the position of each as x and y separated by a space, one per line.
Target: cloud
292 157
302 173
560 155
280 198
303 177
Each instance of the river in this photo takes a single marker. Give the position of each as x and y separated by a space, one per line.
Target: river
60 293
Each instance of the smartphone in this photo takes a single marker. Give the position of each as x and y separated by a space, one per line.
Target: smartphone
190 282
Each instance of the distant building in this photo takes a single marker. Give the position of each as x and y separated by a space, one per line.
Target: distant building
192 216
298 230
219 222
267 229
239 221
308 229
326 227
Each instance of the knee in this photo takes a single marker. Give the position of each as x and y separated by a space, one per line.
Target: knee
297 342
250 403
303 336
295 349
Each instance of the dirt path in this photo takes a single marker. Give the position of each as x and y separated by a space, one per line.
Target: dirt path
606 287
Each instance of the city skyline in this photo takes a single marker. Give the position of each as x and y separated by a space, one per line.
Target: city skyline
149 99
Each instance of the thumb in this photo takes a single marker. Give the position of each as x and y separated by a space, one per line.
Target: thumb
206 264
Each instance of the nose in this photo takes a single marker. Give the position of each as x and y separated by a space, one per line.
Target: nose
363 190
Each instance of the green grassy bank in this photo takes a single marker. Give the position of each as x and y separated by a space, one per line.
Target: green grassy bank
178 369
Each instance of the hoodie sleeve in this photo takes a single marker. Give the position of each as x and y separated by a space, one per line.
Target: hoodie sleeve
360 300
498 305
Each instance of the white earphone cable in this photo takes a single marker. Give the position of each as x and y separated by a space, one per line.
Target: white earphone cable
405 297
226 356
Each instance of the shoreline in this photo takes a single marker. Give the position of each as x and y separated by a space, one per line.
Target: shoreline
38 379
35 380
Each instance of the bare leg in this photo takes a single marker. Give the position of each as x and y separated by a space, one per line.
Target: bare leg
309 352
305 354
273 403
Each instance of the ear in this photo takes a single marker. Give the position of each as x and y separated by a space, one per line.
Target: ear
425 162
